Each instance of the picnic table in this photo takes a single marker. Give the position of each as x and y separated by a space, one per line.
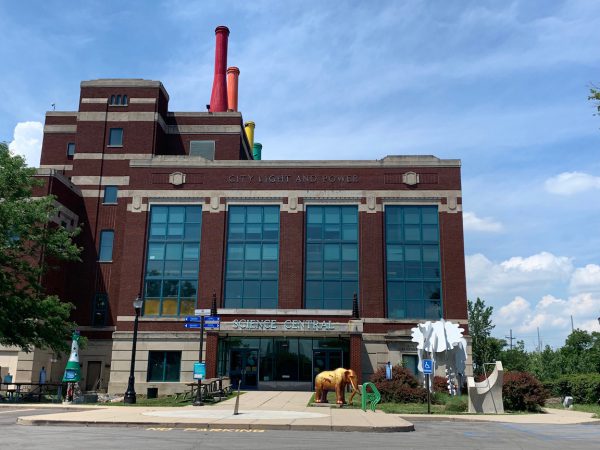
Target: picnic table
19 391
212 388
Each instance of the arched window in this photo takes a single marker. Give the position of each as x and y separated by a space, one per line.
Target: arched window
125 100
112 99
118 99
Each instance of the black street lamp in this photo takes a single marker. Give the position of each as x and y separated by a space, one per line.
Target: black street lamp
130 394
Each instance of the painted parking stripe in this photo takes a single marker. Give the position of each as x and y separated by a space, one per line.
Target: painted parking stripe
17 410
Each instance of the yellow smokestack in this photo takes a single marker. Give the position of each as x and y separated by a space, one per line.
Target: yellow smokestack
249 128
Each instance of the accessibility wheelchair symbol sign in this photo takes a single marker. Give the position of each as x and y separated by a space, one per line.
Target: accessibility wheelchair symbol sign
428 366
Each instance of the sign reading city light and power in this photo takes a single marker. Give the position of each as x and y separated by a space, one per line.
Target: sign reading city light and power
288 179
303 325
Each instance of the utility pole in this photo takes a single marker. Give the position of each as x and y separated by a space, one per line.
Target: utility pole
511 339
539 342
572 327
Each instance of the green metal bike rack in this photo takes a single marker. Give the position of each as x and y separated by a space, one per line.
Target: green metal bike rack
372 397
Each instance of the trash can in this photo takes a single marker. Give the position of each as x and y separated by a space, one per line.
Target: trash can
152 392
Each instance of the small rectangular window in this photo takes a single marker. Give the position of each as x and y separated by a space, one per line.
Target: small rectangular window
99 309
106 245
70 149
164 366
115 137
110 194
206 149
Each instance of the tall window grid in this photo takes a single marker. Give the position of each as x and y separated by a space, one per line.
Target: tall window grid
252 262
107 238
331 256
413 279
171 282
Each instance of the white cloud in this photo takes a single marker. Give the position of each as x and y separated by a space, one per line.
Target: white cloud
589 325
486 224
515 310
550 314
542 262
27 142
531 276
569 183
586 279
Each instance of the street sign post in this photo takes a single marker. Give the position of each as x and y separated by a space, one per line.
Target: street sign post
428 371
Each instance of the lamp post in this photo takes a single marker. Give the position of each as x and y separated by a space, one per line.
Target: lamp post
130 393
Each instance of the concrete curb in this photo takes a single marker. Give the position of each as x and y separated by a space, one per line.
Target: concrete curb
212 426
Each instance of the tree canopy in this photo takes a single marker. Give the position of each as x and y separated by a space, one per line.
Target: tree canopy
480 329
30 317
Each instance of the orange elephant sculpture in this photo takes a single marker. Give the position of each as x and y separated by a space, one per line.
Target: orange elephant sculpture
337 380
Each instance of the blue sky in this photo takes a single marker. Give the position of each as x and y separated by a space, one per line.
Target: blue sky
500 85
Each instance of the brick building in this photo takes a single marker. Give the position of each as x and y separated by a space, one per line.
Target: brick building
178 206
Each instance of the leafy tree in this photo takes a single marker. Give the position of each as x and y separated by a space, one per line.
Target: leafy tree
546 365
581 352
29 317
595 96
515 359
480 328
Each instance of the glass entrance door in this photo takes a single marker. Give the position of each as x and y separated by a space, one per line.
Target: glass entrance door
244 367
327 359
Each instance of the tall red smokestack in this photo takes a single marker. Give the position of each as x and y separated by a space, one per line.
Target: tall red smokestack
218 99
232 88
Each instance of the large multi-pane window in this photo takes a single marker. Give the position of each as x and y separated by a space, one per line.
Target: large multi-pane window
331 256
252 261
164 366
171 283
413 262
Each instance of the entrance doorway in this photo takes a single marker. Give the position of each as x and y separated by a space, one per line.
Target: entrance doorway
92 378
244 367
326 359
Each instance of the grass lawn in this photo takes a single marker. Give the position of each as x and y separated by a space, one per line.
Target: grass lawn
583 407
332 399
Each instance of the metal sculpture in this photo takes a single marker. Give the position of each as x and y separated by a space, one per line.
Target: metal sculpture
372 397
443 342
337 380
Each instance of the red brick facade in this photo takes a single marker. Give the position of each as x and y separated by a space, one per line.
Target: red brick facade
155 145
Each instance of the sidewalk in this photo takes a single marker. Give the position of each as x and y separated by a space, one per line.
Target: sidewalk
279 410
264 410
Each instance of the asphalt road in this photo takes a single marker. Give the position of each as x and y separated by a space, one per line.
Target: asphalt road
428 436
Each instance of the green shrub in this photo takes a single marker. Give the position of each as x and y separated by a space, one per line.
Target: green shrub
402 388
584 388
522 391
456 404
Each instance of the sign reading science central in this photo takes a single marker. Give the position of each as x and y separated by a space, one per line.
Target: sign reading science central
308 325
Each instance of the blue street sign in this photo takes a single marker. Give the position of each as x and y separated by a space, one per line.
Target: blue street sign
192 325
212 325
199 371
428 366
212 318
193 319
